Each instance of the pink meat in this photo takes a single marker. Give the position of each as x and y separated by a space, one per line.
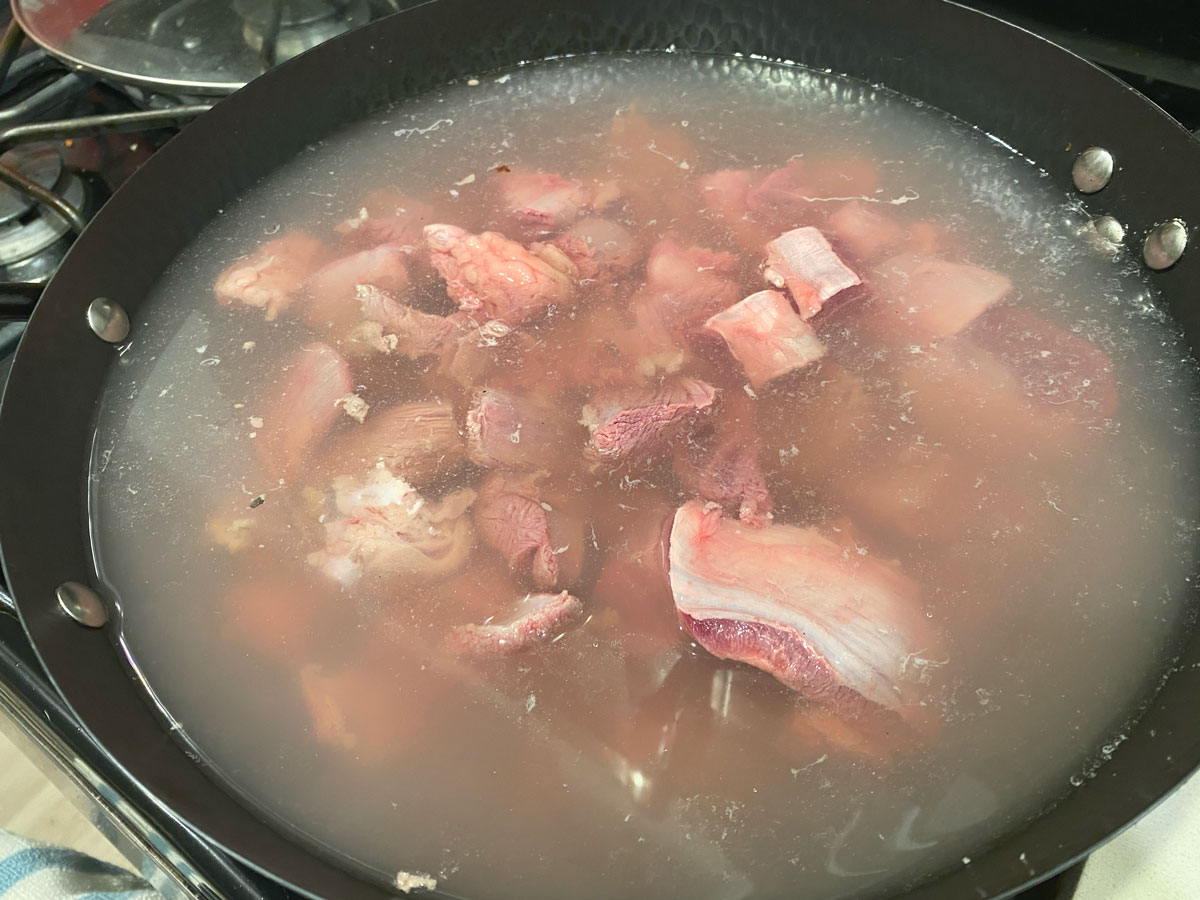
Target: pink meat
513 516
631 425
333 300
684 286
542 201
301 409
866 233
934 297
499 277
601 249
723 466
507 428
725 195
420 442
271 277
387 217
537 619
802 261
766 336
835 625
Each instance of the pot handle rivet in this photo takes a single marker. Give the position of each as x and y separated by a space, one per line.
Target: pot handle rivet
1092 169
1109 229
82 604
1165 244
108 320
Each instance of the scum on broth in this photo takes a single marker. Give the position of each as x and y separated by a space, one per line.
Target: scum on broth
536 775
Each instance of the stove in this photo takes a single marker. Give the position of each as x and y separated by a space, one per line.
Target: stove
102 84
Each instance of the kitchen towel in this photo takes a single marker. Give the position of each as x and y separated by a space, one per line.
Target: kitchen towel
33 871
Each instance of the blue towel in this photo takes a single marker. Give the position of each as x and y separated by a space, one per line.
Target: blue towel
32 871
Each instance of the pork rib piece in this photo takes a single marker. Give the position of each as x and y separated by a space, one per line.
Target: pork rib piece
333 299
934 297
499 277
383 526
766 336
541 539
418 441
270 278
802 261
302 409
540 200
636 424
537 619
828 622
404 330
507 428
601 249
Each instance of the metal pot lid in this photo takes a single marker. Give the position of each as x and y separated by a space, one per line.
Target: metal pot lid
188 47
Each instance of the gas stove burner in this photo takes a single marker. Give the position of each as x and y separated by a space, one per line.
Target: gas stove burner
294 26
33 239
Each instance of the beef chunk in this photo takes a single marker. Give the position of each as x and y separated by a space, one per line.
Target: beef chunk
333 300
418 441
404 330
866 233
302 408
542 201
935 298
634 425
601 249
540 539
766 336
498 277
381 526
387 217
271 277
832 624
520 430
721 465
536 620
802 261
684 287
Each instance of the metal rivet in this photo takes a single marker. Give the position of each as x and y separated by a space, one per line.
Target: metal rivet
108 320
81 603
1110 229
1092 170
1165 244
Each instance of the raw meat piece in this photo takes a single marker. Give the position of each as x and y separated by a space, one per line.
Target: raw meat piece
933 297
633 425
485 352
803 187
725 196
652 162
782 190
520 430
364 709
498 277
542 201
1064 375
302 410
274 616
420 442
333 301
271 277
802 261
405 330
537 619
387 217
536 537
382 526
766 336
839 417
866 233
684 286
601 249
722 466
833 625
